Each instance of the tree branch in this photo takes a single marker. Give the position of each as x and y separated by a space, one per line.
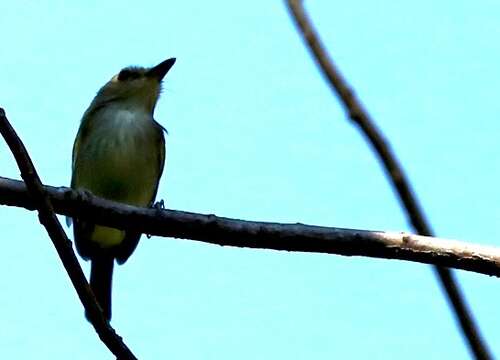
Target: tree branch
40 201
262 235
393 170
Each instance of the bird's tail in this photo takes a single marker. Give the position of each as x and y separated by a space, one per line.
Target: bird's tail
101 276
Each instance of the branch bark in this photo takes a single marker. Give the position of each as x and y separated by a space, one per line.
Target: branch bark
393 169
261 235
35 192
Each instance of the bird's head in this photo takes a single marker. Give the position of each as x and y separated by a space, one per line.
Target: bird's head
136 86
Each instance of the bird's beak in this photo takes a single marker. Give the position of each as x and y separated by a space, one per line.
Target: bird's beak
159 71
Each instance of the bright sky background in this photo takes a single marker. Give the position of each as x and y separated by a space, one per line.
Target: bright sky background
256 134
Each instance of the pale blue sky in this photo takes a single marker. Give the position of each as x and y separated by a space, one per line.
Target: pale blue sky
256 134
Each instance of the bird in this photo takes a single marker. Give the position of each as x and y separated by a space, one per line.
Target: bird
119 155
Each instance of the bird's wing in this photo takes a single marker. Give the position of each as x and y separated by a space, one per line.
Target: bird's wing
161 158
132 238
81 229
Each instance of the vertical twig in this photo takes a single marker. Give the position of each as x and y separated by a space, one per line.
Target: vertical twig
392 168
61 242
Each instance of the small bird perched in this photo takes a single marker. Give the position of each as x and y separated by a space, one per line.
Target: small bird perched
118 154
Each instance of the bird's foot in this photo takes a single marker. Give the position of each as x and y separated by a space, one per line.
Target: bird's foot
158 206
81 195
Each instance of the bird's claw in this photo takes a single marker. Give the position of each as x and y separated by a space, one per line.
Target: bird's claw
83 195
158 206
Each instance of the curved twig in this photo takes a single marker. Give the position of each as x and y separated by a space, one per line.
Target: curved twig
392 168
41 201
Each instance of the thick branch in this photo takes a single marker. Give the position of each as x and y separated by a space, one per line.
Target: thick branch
263 235
40 201
393 170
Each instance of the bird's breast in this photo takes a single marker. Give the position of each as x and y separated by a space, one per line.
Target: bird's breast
119 158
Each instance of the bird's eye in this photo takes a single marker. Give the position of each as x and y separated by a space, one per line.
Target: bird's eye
127 74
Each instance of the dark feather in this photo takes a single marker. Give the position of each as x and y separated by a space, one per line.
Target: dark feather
101 276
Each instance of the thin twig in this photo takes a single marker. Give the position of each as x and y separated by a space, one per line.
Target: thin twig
262 235
47 217
393 170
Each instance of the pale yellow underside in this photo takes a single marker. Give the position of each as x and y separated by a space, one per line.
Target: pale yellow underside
107 237
119 161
